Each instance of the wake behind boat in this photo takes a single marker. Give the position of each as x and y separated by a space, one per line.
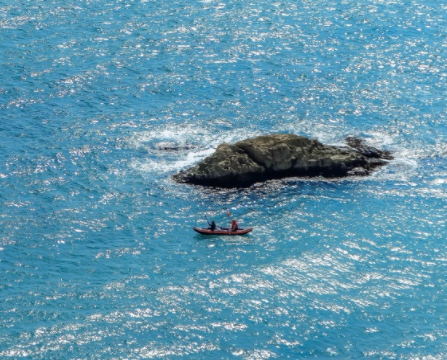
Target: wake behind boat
205 231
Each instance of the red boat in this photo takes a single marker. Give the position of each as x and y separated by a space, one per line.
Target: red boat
222 232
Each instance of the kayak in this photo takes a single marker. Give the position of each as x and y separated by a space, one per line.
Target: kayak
222 232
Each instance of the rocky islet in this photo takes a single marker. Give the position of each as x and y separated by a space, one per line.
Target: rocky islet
282 155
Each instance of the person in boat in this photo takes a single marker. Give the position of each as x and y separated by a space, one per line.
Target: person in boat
212 225
234 226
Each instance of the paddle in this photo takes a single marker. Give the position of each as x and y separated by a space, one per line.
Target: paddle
206 217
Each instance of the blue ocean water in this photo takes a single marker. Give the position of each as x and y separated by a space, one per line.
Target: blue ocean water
97 256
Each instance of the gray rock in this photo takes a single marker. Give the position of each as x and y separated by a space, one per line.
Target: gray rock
228 164
358 171
366 150
276 156
171 146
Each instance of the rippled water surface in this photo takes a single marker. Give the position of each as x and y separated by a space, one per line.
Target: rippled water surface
97 256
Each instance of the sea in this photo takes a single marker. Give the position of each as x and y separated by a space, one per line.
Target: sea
101 102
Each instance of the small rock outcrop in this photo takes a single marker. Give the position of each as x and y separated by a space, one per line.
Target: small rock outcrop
282 155
171 146
367 151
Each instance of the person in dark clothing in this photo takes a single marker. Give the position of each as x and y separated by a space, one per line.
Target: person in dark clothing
212 225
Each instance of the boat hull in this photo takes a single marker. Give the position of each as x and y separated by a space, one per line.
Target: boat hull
221 232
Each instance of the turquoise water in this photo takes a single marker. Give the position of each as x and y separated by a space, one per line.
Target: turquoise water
97 256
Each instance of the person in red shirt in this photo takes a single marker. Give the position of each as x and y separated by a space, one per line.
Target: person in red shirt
234 225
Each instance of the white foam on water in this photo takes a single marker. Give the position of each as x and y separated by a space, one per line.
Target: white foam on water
162 161
380 139
175 133
188 134
164 165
